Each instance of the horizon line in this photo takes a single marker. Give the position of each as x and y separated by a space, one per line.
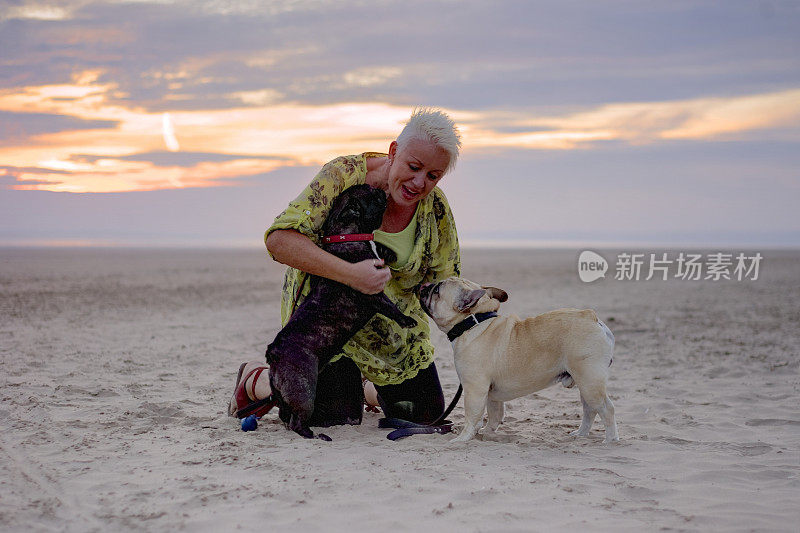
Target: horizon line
466 244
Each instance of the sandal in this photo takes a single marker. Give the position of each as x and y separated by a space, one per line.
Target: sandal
241 406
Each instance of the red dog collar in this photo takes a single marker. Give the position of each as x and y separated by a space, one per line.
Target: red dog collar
352 237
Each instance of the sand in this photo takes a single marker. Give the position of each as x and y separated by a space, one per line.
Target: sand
116 368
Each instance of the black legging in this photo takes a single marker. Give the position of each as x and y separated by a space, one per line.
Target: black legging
423 391
340 396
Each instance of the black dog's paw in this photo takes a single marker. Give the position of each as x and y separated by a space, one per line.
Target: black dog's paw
385 253
406 321
302 429
299 427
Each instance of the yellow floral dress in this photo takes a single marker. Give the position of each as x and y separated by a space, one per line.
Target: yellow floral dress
386 353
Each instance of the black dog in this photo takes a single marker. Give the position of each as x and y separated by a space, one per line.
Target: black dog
330 315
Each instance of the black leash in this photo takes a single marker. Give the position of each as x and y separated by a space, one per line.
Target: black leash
406 428
440 425
249 409
403 428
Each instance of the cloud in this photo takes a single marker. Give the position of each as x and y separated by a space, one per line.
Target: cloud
18 127
191 55
9 182
12 177
680 191
85 86
646 122
176 159
254 140
39 9
569 103
115 175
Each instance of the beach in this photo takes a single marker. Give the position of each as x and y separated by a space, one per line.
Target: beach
117 365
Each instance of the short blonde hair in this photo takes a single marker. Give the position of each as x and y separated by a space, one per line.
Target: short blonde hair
429 124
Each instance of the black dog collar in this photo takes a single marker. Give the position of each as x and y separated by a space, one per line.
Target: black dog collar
468 323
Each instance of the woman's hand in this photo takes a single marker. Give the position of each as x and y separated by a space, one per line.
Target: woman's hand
292 248
369 276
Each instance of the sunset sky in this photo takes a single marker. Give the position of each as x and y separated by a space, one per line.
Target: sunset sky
192 122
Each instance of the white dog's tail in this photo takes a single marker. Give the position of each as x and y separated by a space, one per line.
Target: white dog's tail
607 331
609 338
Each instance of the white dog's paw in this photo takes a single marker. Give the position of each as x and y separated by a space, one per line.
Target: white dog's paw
463 436
579 433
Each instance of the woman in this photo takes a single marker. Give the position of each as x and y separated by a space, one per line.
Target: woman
419 227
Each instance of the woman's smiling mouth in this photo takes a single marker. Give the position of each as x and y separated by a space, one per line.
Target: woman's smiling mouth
408 193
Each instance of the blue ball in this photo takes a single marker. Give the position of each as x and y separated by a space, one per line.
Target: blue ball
250 423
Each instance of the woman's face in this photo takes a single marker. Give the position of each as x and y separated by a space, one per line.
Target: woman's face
415 170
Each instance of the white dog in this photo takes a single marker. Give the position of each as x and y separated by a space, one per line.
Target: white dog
499 358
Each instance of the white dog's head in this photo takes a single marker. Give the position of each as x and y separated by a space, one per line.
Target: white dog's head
452 300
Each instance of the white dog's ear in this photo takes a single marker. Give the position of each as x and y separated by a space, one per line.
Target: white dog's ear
497 294
467 299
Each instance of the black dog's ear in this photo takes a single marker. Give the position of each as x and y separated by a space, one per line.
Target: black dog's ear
386 254
466 300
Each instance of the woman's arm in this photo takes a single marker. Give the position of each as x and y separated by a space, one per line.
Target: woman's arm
296 250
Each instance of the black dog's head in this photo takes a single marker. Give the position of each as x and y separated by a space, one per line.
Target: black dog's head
358 209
